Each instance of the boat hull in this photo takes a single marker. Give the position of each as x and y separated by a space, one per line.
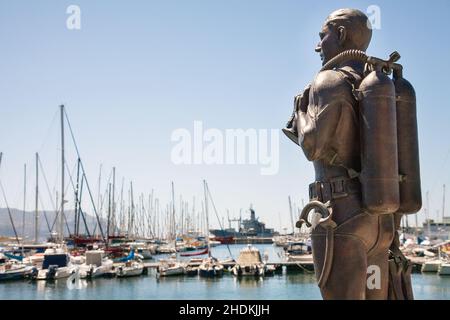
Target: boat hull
171 271
124 272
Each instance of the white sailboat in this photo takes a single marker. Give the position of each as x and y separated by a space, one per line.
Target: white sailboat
210 267
131 268
171 267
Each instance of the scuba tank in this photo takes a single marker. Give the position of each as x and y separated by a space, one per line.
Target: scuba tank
379 152
408 144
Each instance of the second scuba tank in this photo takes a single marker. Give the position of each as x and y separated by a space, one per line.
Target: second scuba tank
379 155
408 144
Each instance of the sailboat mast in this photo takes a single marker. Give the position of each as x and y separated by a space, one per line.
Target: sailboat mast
24 202
109 213
174 232
132 209
428 215
207 217
290 214
62 176
113 202
77 190
36 213
443 203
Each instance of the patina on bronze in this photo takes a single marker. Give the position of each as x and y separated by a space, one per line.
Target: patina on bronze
358 126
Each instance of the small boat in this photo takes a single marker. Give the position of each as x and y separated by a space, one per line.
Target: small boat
210 267
300 256
196 253
191 271
14 271
34 260
272 269
249 263
298 248
170 267
56 265
96 265
130 269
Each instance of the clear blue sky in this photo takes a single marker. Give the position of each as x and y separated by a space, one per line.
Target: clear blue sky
137 70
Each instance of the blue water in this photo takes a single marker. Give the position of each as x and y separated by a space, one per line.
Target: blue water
285 286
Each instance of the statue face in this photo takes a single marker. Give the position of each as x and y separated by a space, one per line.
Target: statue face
329 44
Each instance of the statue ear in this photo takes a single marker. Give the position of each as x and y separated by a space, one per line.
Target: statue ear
342 35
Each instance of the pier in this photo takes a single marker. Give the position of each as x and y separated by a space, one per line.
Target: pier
302 265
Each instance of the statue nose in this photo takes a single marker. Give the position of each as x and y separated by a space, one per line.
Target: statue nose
318 48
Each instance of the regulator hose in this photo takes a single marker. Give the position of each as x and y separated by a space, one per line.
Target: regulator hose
352 54
359 55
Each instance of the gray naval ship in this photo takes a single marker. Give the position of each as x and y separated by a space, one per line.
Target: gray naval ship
246 228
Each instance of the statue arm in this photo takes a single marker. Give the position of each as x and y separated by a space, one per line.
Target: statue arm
319 123
317 128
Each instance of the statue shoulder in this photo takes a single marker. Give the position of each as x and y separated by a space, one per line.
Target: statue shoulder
334 82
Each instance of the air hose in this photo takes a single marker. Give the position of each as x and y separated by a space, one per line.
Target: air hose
359 55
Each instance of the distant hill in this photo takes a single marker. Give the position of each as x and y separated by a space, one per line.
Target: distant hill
7 230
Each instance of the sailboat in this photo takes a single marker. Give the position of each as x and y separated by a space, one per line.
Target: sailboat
130 269
171 267
194 253
210 267
13 268
131 266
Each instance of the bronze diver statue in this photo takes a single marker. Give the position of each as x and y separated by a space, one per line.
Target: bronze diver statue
358 126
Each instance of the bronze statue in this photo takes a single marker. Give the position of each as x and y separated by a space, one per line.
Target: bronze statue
358 126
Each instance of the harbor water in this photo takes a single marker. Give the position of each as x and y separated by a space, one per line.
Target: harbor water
292 285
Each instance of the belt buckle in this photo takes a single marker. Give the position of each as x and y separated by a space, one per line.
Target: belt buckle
338 188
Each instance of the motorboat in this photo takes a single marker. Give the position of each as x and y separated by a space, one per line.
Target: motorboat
210 267
56 265
13 270
96 264
191 271
249 263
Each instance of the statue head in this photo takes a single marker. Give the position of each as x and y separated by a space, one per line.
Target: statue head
343 29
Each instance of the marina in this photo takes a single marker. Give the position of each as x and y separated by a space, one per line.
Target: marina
285 285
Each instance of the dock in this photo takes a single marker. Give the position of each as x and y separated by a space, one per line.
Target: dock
308 265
